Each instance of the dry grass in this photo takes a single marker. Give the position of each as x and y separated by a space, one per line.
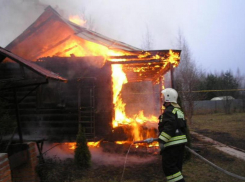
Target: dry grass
197 170
233 124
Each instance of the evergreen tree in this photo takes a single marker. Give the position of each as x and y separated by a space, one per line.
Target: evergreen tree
82 154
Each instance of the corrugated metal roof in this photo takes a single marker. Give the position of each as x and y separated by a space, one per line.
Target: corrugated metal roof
30 65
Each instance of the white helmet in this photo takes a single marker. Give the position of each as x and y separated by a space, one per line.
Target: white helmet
170 95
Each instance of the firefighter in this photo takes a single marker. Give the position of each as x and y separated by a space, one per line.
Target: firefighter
172 136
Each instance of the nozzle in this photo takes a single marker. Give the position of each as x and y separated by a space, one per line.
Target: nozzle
148 140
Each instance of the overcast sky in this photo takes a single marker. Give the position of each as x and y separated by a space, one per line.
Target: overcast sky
213 29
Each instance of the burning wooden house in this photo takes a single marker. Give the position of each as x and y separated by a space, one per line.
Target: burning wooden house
96 68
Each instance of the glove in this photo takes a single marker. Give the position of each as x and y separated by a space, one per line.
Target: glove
149 140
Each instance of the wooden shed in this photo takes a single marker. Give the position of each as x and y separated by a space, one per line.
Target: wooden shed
85 58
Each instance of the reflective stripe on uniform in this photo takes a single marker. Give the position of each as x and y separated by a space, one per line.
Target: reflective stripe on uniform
160 120
175 177
176 140
165 137
180 114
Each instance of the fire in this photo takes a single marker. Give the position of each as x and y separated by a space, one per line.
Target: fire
77 20
93 144
173 57
73 45
71 145
119 78
121 142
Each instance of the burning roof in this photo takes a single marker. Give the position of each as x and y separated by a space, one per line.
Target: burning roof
53 35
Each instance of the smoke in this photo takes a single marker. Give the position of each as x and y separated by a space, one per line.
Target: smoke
102 158
141 96
16 16
107 18
99 157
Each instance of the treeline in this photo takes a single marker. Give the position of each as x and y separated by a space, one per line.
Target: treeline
193 83
218 82
189 77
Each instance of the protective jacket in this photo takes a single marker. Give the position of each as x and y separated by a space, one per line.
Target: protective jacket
172 127
172 133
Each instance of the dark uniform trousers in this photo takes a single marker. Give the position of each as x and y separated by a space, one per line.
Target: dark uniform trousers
172 160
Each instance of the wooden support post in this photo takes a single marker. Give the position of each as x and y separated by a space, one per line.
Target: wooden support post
160 94
172 76
79 109
17 116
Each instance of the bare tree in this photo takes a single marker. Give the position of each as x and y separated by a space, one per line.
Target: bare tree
147 40
187 79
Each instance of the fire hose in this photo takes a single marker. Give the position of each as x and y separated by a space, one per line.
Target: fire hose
150 140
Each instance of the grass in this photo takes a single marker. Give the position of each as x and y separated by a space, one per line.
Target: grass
194 170
233 124
227 129
197 170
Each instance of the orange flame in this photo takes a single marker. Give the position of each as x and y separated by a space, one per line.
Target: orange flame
173 58
77 20
71 145
93 144
73 45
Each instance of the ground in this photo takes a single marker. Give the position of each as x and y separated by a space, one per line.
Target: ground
227 129
146 167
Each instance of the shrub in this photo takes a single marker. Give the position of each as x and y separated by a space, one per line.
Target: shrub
82 156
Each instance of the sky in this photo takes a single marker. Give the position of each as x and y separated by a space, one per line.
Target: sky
213 29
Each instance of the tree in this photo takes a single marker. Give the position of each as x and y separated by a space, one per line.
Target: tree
224 81
241 84
187 79
147 40
82 156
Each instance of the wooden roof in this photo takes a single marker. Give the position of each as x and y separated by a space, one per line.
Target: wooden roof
29 65
45 35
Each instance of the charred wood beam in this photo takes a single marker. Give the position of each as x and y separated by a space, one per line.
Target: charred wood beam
162 53
139 80
18 116
31 66
161 72
29 93
155 52
136 61
5 99
24 85
2 57
128 57
172 75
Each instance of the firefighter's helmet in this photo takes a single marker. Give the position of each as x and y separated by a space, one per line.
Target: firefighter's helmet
170 95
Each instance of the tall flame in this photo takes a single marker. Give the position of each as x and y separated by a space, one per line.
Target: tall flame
118 79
